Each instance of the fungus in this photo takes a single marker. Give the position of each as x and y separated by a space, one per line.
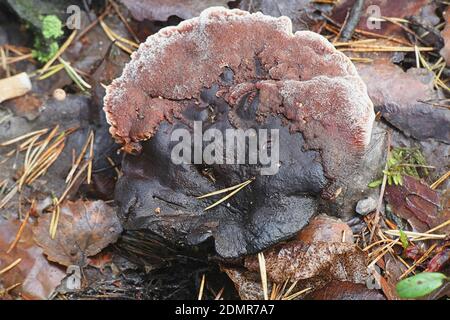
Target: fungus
229 69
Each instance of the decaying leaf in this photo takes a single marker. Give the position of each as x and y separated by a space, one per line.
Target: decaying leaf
379 8
415 202
440 259
445 51
161 10
303 13
247 284
84 229
344 290
37 277
403 99
326 228
297 260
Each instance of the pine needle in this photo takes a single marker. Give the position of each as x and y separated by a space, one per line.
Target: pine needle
202 286
12 265
263 272
229 195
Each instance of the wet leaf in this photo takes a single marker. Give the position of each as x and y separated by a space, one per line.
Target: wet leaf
84 229
439 260
445 52
415 202
37 276
326 228
344 290
297 260
161 10
304 13
401 98
398 8
420 285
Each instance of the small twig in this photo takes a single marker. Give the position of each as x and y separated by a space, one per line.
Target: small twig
383 187
353 20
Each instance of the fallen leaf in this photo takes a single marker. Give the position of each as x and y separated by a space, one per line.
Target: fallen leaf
161 10
397 9
445 51
420 285
439 260
416 202
326 228
402 97
247 284
84 229
38 277
304 13
297 260
344 290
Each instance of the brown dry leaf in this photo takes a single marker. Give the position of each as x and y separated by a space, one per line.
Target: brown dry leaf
416 202
161 10
401 98
344 290
304 13
326 228
38 276
84 229
397 9
247 284
297 260
445 52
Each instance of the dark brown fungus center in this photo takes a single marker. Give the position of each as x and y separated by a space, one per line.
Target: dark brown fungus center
229 70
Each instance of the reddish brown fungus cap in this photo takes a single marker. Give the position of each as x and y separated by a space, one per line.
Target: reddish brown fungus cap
233 69
300 76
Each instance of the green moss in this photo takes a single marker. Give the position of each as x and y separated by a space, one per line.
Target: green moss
46 43
403 161
51 27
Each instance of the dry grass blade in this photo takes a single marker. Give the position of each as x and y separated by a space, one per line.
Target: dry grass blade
202 287
263 273
12 265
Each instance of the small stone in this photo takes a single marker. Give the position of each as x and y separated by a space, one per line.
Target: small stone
366 205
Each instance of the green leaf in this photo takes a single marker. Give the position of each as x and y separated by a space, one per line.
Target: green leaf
420 285
375 183
403 239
